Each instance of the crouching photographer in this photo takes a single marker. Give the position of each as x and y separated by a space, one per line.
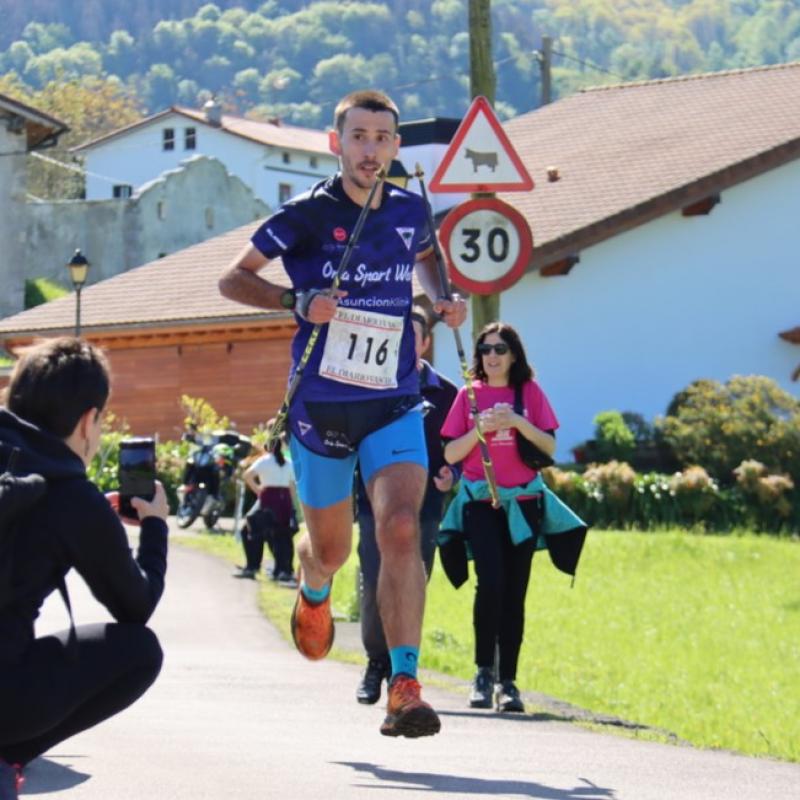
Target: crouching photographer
55 686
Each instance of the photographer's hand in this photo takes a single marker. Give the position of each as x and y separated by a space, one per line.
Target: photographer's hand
157 507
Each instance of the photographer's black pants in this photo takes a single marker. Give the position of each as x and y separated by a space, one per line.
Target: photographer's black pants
56 690
503 570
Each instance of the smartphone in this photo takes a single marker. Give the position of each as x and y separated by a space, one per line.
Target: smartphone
137 473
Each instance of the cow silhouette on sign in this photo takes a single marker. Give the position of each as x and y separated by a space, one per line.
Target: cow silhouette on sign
480 159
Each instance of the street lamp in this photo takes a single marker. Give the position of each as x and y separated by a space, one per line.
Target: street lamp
78 269
397 174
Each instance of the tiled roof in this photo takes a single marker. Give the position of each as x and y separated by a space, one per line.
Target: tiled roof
177 289
630 152
267 133
41 126
625 154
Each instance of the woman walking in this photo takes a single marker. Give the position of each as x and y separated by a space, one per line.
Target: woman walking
502 540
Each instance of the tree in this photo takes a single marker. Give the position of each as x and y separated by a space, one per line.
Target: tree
91 107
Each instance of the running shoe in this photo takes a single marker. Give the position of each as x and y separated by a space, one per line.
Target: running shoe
508 698
312 627
407 714
11 780
482 689
369 690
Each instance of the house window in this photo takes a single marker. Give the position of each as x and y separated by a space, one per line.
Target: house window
122 191
287 158
189 138
284 192
313 162
209 217
161 209
168 141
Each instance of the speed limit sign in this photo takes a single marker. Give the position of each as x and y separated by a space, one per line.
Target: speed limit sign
488 245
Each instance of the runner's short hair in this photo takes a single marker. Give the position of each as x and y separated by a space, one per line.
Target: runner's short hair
370 99
56 381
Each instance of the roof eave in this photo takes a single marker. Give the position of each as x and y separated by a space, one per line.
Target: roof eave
653 208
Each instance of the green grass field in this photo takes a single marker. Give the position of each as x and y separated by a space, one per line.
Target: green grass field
695 634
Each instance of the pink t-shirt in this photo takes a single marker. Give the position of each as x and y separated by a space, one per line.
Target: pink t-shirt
508 467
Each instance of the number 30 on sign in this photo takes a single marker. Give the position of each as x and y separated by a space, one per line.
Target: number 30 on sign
488 245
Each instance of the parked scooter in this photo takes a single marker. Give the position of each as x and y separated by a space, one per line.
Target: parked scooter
208 471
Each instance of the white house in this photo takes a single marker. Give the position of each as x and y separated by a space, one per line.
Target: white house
666 241
275 160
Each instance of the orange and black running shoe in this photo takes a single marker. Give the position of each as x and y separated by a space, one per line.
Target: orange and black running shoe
407 714
312 627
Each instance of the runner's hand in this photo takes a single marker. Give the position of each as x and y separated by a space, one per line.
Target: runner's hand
453 311
323 306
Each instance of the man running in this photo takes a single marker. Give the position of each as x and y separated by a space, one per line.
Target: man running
359 396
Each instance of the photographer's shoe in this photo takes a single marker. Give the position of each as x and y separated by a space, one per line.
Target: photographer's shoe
508 699
482 689
407 714
369 690
312 627
11 780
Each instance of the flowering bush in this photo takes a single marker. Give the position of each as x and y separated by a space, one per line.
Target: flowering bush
770 493
695 493
721 425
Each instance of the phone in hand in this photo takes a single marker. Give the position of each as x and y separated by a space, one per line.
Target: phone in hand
137 473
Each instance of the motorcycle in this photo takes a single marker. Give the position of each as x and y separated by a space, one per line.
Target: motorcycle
209 468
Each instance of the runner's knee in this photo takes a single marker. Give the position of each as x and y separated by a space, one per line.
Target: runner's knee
398 532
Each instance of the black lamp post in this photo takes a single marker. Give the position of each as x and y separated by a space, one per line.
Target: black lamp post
78 270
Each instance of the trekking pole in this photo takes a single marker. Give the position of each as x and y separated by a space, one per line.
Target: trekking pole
283 412
486 458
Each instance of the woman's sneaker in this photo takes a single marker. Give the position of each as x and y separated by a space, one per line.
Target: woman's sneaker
11 780
482 689
508 698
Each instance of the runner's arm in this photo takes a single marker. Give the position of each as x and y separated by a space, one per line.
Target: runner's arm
453 311
240 281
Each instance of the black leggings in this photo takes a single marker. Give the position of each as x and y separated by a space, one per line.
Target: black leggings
502 569
55 691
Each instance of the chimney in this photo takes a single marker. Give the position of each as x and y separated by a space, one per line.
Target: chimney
213 112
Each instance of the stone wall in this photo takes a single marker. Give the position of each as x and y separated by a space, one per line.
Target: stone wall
184 206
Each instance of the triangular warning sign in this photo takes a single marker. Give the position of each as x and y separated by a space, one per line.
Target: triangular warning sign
481 158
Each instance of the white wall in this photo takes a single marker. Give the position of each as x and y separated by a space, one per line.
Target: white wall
138 157
12 219
649 311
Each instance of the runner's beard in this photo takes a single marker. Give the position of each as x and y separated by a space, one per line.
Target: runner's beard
357 177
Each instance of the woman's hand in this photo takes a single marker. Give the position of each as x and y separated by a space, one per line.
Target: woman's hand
499 417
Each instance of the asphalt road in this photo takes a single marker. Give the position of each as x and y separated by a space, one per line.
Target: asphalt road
237 713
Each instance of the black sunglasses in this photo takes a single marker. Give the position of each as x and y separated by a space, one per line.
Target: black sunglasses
501 348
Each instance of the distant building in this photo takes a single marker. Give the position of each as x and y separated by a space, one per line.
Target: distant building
275 160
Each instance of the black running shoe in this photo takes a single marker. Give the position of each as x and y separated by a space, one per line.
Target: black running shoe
482 689
369 690
508 699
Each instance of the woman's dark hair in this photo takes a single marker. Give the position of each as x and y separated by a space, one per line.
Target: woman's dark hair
277 446
56 381
520 370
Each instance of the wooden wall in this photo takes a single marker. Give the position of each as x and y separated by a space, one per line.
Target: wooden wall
243 380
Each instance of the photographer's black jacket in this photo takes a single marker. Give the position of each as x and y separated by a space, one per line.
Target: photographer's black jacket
73 526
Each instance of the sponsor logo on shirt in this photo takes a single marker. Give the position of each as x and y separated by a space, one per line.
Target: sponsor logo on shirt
407 235
340 234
